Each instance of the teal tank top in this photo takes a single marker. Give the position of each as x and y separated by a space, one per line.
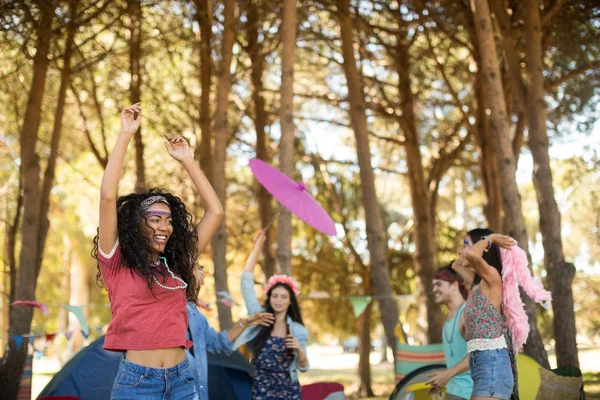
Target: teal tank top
455 349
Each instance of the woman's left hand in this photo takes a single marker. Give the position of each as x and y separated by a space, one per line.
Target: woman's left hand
291 342
504 241
178 148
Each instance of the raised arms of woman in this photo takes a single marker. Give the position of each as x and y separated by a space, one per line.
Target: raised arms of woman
474 256
179 149
112 174
247 281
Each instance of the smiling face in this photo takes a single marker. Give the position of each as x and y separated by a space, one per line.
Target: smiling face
280 299
156 226
442 291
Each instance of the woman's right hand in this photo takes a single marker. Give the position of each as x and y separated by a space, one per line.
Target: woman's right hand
259 240
129 124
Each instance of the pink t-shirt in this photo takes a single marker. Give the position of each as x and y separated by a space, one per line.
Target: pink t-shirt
141 321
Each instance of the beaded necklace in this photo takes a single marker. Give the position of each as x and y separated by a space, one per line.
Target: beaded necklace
184 286
453 331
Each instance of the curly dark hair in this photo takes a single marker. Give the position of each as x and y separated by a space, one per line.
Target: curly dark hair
256 345
180 251
492 256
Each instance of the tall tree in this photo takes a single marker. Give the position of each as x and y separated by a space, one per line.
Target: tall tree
560 273
425 263
20 317
286 120
134 12
219 240
511 199
380 276
257 52
204 151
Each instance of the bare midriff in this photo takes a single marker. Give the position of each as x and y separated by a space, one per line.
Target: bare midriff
156 358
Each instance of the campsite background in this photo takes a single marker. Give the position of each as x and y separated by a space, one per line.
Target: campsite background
410 122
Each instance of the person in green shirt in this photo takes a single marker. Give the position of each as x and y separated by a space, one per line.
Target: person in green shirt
448 289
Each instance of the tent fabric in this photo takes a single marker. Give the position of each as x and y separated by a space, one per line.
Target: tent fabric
323 391
410 358
90 374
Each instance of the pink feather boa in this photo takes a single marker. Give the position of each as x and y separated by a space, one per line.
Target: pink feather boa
515 273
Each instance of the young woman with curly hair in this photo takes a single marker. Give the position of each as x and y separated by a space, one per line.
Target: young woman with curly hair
279 350
146 248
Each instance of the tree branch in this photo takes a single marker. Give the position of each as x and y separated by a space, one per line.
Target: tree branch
553 84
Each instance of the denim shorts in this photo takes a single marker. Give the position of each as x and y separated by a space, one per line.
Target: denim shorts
135 381
492 374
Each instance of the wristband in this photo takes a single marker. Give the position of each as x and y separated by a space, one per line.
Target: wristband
487 239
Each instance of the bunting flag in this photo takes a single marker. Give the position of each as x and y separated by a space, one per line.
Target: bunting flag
359 303
68 334
225 295
226 302
43 308
50 336
78 311
18 340
204 305
405 300
318 294
85 335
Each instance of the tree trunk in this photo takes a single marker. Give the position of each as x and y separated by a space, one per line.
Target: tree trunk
424 259
511 199
486 144
380 278
560 273
486 148
134 11
11 239
219 240
20 317
50 171
364 352
286 120
257 59
204 151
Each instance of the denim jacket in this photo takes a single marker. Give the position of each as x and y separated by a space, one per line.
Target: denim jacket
205 339
253 306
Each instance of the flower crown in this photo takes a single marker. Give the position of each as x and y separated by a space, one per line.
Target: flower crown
288 280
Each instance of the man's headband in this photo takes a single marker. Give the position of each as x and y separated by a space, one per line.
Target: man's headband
445 275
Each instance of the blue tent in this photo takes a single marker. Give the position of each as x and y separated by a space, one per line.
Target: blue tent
90 375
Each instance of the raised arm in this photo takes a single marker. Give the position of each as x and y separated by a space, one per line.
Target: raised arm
178 148
259 241
112 174
247 282
465 273
474 256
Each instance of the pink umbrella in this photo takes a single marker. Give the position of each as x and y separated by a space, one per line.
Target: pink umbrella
293 195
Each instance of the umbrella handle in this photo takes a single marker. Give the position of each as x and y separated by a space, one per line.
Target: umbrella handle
273 219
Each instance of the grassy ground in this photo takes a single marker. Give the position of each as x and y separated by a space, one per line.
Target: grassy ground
591 385
382 376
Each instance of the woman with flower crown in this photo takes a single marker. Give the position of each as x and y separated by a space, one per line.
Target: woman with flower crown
279 350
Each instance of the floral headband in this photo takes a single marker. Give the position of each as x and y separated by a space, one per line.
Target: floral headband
288 280
145 205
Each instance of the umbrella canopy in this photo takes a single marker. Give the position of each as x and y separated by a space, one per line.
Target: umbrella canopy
293 195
